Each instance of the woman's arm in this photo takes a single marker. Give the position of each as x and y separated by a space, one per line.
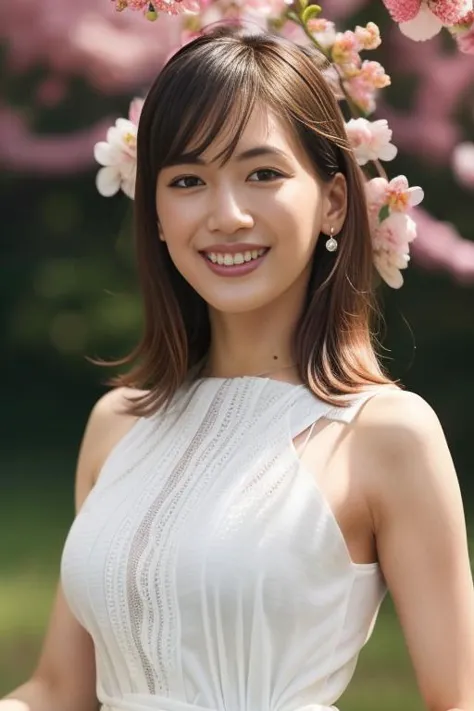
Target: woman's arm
64 679
422 544
65 676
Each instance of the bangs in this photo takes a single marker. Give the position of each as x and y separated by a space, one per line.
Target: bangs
208 90
203 102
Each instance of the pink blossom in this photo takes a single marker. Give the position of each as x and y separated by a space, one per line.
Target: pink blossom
361 93
388 265
465 40
463 163
423 27
368 36
169 7
376 193
466 20
324 32
422 19
370 140
373 73
392 233
345 51
134 4
450 11
402 10
135 110
362 86
400 197
391 239
395 233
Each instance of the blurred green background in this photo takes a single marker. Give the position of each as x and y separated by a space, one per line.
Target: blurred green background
68 291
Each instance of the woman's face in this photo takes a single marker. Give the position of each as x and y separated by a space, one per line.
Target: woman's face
243 233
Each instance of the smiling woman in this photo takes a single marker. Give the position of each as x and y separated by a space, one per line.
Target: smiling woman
238 532
233 161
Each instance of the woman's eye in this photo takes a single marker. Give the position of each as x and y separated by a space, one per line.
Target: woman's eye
266 175
187 181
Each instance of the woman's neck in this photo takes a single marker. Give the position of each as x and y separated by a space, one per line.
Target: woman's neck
254 343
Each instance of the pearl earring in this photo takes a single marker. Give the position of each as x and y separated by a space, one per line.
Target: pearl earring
331 244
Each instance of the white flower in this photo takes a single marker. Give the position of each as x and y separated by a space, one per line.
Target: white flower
391 228
391 239
370 140
395 195
400 197
388 265
118 155
423 27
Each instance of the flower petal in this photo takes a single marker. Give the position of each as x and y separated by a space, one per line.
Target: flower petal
108 181
376 191
423 27
402 10
128 186
416 195
105 154
135 110
450 12
389 273
126 126
388 152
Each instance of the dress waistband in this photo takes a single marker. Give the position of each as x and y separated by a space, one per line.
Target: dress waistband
150 702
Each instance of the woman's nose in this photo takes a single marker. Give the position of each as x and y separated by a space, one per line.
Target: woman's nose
227 214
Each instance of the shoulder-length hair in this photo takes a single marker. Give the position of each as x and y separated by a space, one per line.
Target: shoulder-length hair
207 89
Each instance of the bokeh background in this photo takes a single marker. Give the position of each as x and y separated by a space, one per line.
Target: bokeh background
68 288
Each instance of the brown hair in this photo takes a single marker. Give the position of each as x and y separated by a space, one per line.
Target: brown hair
209 88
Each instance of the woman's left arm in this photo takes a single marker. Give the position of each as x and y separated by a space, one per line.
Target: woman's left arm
422 545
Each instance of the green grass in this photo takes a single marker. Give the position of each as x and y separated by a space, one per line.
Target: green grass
31 538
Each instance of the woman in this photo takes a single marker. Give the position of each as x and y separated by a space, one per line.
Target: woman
255 484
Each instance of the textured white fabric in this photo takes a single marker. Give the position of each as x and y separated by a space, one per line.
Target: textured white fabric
208 567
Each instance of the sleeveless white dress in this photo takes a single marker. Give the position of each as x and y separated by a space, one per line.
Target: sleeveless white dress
208 567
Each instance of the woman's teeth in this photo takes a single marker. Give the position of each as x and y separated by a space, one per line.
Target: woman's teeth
229 260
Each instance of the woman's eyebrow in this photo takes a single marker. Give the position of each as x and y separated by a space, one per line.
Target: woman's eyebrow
255 152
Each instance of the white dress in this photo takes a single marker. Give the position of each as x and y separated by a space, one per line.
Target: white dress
208 567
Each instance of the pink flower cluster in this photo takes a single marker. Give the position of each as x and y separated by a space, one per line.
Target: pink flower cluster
422 19
392 228
151 8
361 78
463 32
353 79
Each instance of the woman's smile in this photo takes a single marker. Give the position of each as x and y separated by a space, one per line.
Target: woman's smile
234 260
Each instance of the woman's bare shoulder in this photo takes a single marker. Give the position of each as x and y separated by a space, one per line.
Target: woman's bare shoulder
395 417
403 443
109 421
115 403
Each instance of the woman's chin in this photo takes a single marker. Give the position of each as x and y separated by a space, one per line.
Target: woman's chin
238 304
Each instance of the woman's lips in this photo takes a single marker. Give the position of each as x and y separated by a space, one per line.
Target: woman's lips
237 260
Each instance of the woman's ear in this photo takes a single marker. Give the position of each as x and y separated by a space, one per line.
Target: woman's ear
160 231
335 204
